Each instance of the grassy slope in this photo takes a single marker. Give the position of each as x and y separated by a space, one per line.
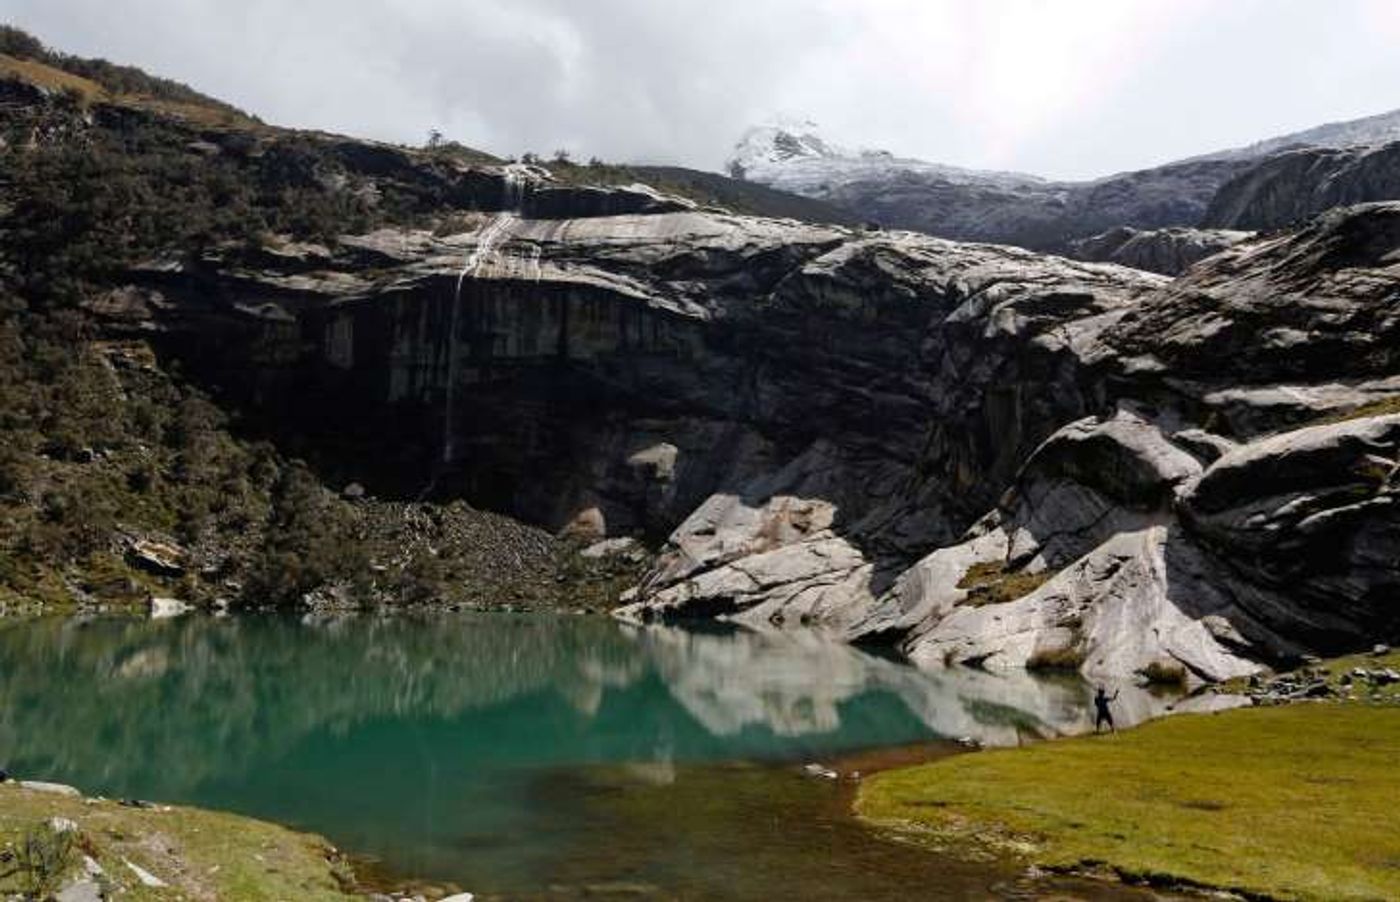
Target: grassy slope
52 78
1292 802
49 78
200 854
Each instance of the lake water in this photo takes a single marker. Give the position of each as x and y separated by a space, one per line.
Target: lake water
521 756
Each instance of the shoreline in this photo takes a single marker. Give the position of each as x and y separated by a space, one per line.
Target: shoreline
95 847
1155 805
871 763
99 847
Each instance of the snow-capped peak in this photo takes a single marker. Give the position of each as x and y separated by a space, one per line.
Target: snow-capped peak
779 142
793 155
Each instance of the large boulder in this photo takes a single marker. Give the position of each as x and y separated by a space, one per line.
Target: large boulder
1314 514
1136 604
1080 567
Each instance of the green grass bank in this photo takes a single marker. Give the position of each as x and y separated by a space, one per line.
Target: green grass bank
1289 802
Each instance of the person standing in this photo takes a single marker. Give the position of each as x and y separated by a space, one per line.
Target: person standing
1101 713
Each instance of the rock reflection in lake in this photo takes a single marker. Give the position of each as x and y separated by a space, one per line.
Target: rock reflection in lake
413 739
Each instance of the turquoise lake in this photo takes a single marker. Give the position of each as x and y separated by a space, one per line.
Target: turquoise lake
519 756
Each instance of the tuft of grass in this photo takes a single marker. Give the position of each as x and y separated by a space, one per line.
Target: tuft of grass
1066 658
1381 408
989 582
39 859
1165 673
1290 802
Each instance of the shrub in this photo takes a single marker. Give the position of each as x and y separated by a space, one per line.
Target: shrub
1068 657
40 860
989 582
1165 673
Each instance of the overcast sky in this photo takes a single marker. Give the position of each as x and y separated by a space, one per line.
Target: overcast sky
1062 88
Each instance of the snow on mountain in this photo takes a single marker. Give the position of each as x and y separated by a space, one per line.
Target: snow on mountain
794 156
780 142
1011 207
1379 129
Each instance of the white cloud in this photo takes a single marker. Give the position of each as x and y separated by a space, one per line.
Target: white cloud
1061 87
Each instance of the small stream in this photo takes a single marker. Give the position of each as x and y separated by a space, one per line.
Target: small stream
524 756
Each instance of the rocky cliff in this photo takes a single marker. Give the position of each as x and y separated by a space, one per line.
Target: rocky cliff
973 453
1166 251
1161 512
1290 187
976 453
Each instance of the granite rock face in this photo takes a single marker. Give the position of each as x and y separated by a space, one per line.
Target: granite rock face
1312 313
1316 513
1099 530
1167 251
974 453
1290 187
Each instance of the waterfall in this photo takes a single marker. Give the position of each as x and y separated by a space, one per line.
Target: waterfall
494 234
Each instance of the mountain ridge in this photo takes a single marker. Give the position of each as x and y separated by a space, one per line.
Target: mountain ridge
1017 208
804 141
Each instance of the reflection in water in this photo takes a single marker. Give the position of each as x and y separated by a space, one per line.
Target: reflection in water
441 745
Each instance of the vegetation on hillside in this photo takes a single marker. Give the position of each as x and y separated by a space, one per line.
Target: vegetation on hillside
85 202
103 451
1382 407
108 448
115 79
990 582
101 444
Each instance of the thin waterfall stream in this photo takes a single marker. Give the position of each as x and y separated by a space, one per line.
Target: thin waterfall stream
492 240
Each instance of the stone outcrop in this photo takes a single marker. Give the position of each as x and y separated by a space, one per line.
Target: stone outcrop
1115 570
1315 514
1089 567
975 453
1166 251
1290 187
1278 331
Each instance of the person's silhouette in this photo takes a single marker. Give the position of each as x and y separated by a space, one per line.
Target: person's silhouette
1101 713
